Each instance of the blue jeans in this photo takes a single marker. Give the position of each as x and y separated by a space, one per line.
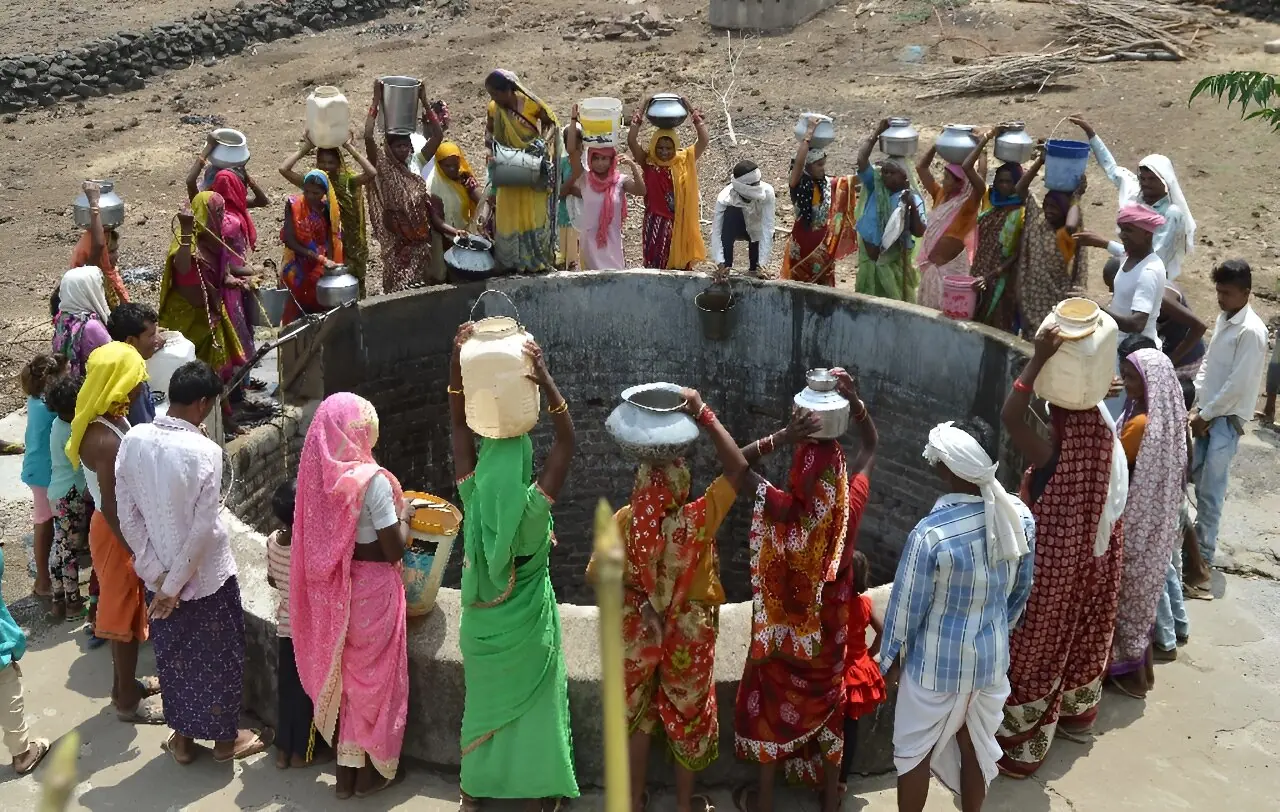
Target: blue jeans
1210 472
1171 612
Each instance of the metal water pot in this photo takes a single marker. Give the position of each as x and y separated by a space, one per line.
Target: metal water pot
471 258
399 108
900 140
955 143
1014 145
650 425
337 287
821 398
230 149
110 206
666 111
822 136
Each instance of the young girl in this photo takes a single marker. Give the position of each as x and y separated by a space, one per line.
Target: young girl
69 497
863 685
37 376
672 236
296 738
604 208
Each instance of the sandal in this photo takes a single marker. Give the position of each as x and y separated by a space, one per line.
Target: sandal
42 750
77 611
386 782
168 747
58 611
145 713
1114 683
1197 592
258 744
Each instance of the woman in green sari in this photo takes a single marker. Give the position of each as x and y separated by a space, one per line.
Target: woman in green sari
516 740
886 257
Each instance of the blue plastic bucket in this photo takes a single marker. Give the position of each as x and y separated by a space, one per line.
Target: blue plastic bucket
1064 164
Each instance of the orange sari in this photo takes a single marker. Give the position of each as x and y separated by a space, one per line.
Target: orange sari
811 254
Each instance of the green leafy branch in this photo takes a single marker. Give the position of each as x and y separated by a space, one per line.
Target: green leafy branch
1255 92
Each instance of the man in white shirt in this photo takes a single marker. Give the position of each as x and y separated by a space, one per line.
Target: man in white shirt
1226 393
744 211
168 482
1156 185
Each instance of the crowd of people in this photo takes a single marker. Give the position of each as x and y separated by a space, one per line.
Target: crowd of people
1008 613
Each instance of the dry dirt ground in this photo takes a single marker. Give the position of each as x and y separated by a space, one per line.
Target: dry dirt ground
842 63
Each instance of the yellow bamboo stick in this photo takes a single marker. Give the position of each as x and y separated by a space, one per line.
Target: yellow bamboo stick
608 582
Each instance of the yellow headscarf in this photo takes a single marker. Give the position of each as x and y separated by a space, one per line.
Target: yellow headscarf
111 373
686 232
448 149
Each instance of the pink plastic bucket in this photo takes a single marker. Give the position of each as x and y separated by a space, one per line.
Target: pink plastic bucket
959 296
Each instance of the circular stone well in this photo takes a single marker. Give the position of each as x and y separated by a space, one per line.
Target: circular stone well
603 332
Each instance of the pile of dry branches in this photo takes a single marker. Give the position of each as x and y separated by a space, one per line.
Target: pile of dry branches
1116 30
1003 73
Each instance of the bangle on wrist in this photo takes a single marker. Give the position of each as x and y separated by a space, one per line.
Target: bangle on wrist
862 412
560 408
1022 386
705 416
451 390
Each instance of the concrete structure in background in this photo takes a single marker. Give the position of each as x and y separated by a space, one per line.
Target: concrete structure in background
764 16
915 368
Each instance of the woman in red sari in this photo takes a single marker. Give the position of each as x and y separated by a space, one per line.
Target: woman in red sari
312 236
1076 488
791 700
824 229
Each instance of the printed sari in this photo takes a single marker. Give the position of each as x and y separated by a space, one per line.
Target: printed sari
999 240
401 219
1048 266
347 617
1058 655
516 739
672 565
892 274
355 232
1151 515
316 230
812 252
207 324
950 217
790 703
524 218
672 234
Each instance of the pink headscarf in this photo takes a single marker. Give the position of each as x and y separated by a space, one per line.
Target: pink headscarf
605 187
333 473
1142 216
957 170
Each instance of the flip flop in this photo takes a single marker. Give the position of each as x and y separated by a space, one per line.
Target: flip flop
1196 592
1119 687
386 782
42 750
173 752
145 713
259 744
1081 736
150 686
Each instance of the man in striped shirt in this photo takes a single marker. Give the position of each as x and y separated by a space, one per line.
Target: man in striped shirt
962 583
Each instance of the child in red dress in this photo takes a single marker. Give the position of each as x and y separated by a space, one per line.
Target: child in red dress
863 685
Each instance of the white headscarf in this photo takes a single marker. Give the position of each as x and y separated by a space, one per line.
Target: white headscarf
1117 489
1163 167
747 193
81 292
961 453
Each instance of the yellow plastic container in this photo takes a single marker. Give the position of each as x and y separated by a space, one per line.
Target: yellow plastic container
601 119
432 530
1079 374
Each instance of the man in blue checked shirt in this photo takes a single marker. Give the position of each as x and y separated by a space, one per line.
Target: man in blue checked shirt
962 583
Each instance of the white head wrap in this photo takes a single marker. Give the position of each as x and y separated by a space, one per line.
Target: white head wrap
814 155
1117 489
961 453
1163 167
748 186
81 292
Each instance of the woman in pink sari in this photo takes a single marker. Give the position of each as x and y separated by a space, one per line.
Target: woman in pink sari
346 597
239 236
951 234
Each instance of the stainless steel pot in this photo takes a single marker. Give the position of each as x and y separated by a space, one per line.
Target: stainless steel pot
821 398
649 424
823 136
399 107
110 206
231 149
1014 145
337 287
518 167
901 139
666 111
471 259
955 143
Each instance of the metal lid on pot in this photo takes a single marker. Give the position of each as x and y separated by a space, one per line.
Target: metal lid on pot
820 380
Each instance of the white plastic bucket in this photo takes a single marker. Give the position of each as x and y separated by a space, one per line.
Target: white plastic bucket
601 119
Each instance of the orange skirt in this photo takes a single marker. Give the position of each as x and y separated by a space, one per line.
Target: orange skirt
122 606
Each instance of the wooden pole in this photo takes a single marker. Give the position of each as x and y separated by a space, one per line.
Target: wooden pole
608 582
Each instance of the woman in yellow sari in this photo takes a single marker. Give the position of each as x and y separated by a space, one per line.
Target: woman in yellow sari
191 288
672 237
456 193
524 217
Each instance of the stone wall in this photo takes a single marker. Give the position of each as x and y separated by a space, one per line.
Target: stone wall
916 369
766 16
125 60
260 461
